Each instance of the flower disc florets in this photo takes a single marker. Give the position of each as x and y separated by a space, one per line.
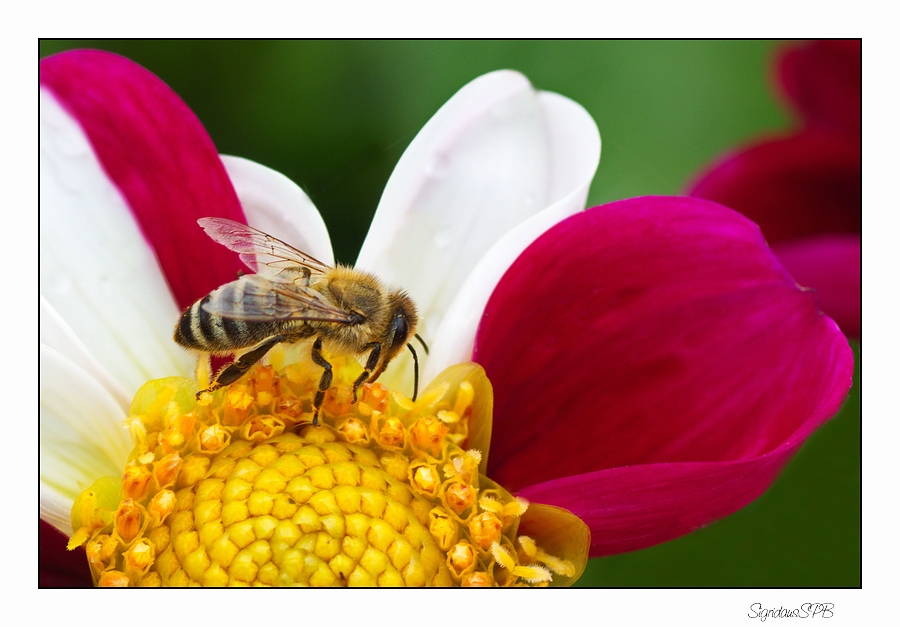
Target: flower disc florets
238 488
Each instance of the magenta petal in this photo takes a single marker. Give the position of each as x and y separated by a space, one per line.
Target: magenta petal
655 345
159 156
830 264
823 80
640 506
792 187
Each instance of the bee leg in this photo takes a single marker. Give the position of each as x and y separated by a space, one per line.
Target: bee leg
324 382
236 369
371 364
203 372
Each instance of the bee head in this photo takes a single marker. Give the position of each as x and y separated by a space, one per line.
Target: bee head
401 327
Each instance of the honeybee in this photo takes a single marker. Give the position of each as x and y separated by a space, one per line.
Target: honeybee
294 297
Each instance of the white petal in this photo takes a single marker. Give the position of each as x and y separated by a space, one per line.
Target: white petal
56 509
495 155
575 154
55 333
455 337
273 203
82 433
96 269
574 147
476 169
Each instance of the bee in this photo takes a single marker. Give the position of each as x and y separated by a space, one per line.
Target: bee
293 297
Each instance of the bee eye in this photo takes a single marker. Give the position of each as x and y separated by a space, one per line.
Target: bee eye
400 327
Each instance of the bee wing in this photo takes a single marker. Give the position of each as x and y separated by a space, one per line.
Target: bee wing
261 252
258 298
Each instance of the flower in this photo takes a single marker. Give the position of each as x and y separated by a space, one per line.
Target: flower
237 487
639 376
804 188
125 164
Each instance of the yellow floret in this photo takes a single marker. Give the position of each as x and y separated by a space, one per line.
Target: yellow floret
239 489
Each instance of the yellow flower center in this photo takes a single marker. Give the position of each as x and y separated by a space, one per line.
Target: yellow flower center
238 488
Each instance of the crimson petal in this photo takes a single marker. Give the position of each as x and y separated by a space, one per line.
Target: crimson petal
791 187
654 367
831 265
58 567
159 156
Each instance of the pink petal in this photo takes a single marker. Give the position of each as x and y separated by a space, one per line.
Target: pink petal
791 187
640 506
830 264
823 80
654 345
159 156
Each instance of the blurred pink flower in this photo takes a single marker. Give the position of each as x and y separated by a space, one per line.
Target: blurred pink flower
804 189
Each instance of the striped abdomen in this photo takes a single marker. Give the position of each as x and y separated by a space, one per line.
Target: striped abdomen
200 330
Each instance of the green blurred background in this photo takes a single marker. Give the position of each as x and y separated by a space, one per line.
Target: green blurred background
335 116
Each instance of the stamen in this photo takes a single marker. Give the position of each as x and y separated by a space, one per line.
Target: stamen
237 488
114 579
485 529
477 580
461 557
460 497
529 547
502 556
532 574
135 480
558 566
128 520
443 529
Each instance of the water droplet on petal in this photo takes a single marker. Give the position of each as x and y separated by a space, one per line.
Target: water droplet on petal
438 166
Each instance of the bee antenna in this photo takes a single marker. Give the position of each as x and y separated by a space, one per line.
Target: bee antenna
422 342
415 369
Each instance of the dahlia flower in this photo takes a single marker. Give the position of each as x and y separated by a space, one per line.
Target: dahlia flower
125 164
650 366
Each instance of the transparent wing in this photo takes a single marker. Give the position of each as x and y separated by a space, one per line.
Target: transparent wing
261 252
261 299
